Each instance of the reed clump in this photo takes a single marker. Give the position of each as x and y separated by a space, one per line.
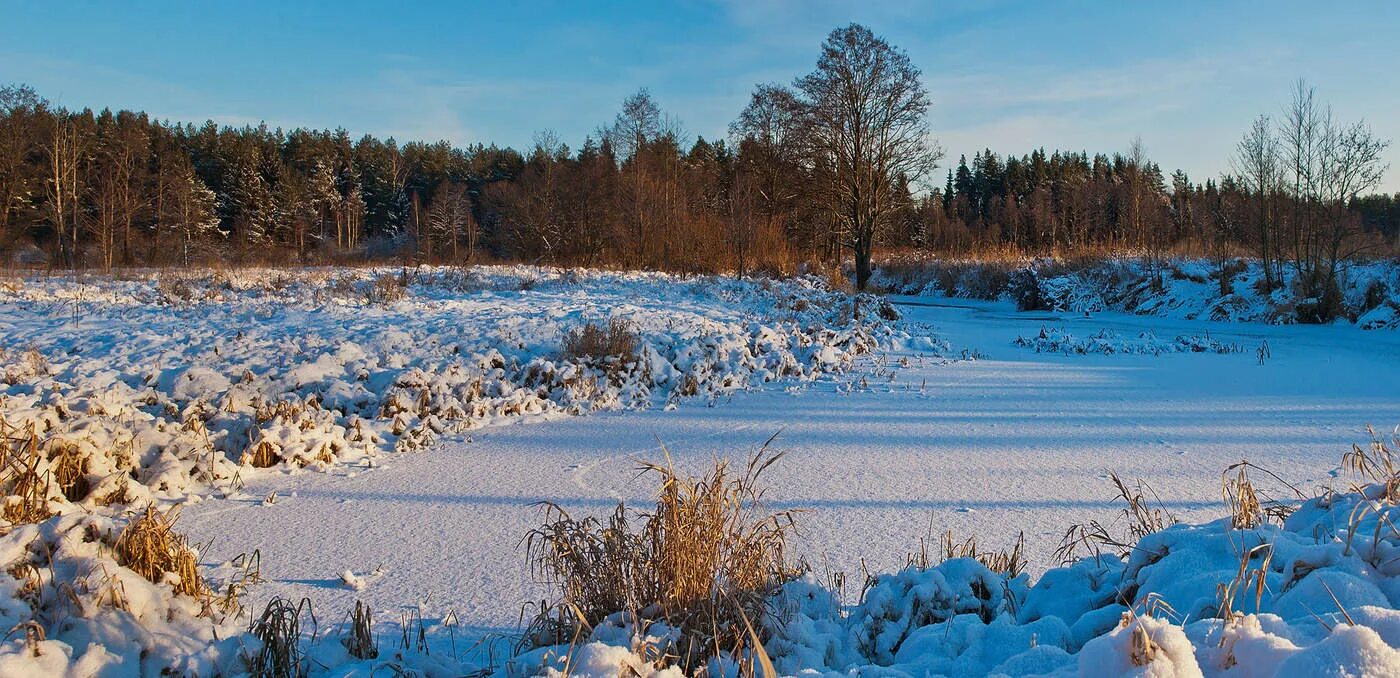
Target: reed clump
705 560
591 341
150 546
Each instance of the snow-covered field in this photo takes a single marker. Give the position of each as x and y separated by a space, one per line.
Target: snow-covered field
894 432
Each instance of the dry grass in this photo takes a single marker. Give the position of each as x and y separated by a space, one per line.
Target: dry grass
69 469
1009 562
1247 578
262 454
23 479
600 568
1141 514
1377 462
279 652
387 289
705 560
25 366
174 289
591 341
150 546
1249 505
359 642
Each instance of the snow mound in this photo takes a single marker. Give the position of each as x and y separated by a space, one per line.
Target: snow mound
1106 342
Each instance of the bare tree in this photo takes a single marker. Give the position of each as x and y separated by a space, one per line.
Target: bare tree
1352 163
866 124
1135 167
768 177
1303 133
1256 166
450 218
63 153
104 222
1331 165
638 122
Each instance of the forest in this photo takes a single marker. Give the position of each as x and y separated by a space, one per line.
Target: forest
790 185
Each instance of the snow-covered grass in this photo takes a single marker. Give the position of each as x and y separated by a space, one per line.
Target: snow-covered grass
1108 342
1289 586
176 384
156 389
1306 587
1180 288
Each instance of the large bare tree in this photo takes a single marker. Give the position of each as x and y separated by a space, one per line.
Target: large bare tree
866 126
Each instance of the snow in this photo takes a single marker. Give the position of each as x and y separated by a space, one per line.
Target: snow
198 375
888 442
1057 340
1186 289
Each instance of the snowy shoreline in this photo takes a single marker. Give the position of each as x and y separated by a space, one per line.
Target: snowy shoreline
1182 288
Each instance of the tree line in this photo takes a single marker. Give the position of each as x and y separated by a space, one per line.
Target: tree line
837 163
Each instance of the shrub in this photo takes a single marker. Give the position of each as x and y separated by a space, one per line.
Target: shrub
706 561
1024 287
1376 294
174 289
387 289
1322 300
595 342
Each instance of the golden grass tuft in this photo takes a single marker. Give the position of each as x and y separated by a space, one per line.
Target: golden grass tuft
150 547
1247 578
360 640
1249 505
262 454
705 560
1141 512
26 487
1010 562
69 469
1377 462
592 341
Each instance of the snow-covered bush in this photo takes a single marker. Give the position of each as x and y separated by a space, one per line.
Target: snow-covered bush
1058 340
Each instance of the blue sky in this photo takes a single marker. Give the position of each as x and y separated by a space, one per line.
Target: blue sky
1187 77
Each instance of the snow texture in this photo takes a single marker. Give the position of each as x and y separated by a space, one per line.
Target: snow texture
163 387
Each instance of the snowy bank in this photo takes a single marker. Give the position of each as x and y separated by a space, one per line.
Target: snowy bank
1227 290
159 386
1303 587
